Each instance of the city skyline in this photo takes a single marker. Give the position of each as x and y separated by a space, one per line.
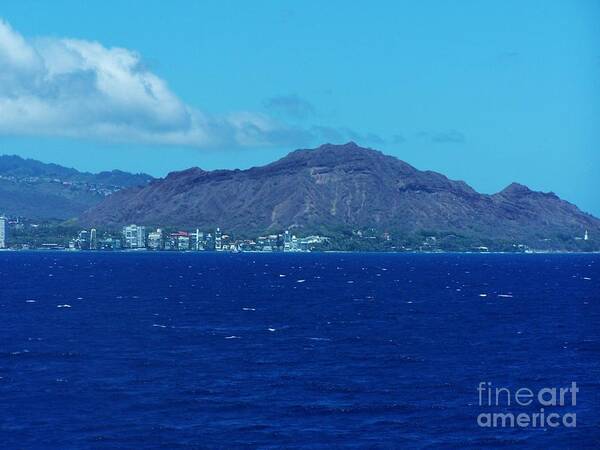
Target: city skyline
150 237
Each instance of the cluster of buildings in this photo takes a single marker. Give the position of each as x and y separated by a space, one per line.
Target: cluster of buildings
2 232
102 189
22 234
135 237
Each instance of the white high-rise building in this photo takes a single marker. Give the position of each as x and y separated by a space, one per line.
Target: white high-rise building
198 240
2 232
134 236
218 240
93 239
155 239
586 236
287 241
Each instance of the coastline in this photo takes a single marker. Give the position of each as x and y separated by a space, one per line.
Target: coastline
207 252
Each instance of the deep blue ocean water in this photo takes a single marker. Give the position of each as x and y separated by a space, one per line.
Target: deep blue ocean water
173 351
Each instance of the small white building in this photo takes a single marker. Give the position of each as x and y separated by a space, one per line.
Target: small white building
2 232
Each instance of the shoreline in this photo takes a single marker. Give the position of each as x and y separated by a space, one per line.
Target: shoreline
441 252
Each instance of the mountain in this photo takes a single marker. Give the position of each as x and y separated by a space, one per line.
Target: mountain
342 187
38 190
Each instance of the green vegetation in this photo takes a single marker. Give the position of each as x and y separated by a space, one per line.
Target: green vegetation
24 233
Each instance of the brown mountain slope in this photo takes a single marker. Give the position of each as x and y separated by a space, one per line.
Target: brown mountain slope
340 186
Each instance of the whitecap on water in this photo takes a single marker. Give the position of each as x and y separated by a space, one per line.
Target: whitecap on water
300 281
271 329
249 309
63 306
232 337
29 301
483 295
505 295
158 325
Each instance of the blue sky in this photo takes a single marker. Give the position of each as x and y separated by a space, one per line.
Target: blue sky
488 92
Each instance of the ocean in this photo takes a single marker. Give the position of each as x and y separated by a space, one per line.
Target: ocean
205 350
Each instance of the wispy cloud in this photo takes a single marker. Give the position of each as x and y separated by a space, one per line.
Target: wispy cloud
290 106
398 139
78 88
448 137
339 135
443 137
509 56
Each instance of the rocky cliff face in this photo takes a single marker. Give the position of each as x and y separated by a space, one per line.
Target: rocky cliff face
339 186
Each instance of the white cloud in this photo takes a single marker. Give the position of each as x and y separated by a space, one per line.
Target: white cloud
78 88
